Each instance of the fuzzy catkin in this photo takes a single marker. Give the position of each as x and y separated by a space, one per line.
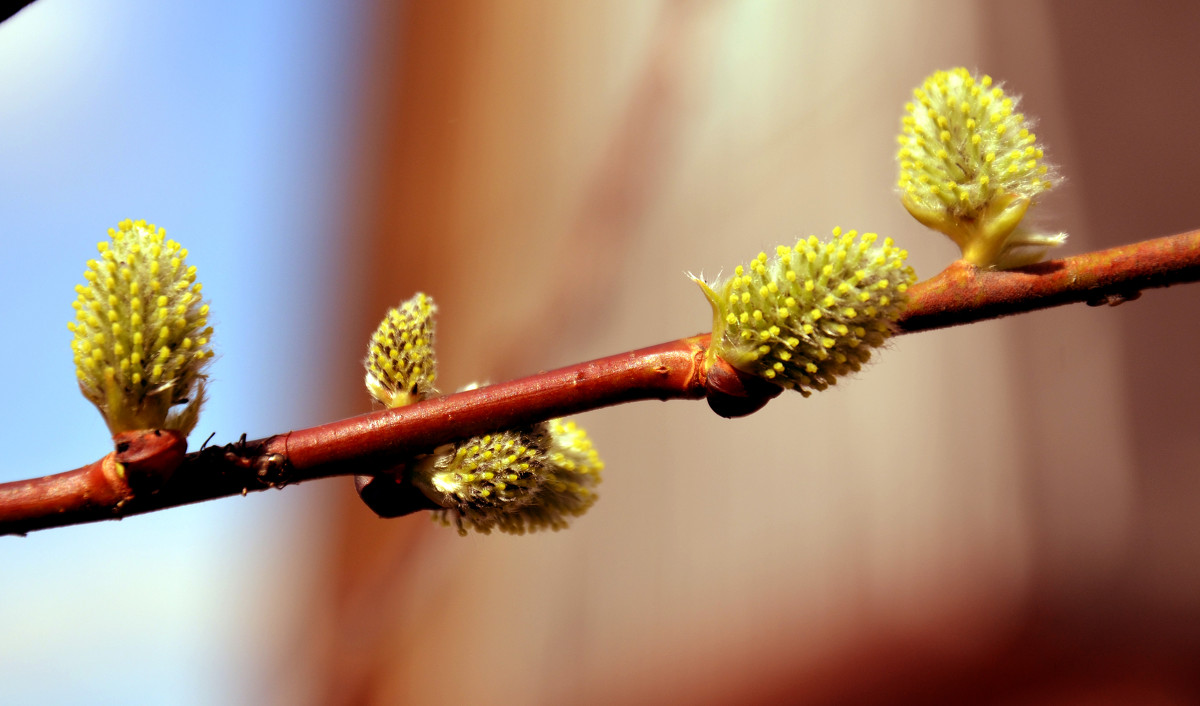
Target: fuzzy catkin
401 367
515 480
141 334
963 144
813 312
971 168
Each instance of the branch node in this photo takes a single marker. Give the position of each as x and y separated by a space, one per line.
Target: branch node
146 459
1115 298
733 393
389 494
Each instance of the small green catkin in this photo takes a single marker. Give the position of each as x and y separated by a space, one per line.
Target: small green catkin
401 367
811 313
141 334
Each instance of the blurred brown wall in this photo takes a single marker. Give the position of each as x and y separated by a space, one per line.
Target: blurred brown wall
998 513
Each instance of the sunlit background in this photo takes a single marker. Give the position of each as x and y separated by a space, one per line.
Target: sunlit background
1001 513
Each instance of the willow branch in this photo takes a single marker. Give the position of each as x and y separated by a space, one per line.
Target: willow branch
146 473
963 294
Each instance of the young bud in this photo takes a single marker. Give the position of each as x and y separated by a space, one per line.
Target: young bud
811 313
401 368
141 334
970 167
513 481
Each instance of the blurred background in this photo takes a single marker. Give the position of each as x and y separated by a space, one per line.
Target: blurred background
1002 513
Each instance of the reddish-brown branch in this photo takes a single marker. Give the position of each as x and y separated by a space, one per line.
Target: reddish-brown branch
962 293
365 444
373 443
142 463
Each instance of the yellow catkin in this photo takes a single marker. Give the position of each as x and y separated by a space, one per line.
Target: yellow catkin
982 174
806 330
400 363
513 481
139 373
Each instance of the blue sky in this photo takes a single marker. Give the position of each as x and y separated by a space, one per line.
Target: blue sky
225 123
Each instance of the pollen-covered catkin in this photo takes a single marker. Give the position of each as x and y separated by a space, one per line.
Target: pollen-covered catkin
401 367
971 166
513 481
141 334
812 312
